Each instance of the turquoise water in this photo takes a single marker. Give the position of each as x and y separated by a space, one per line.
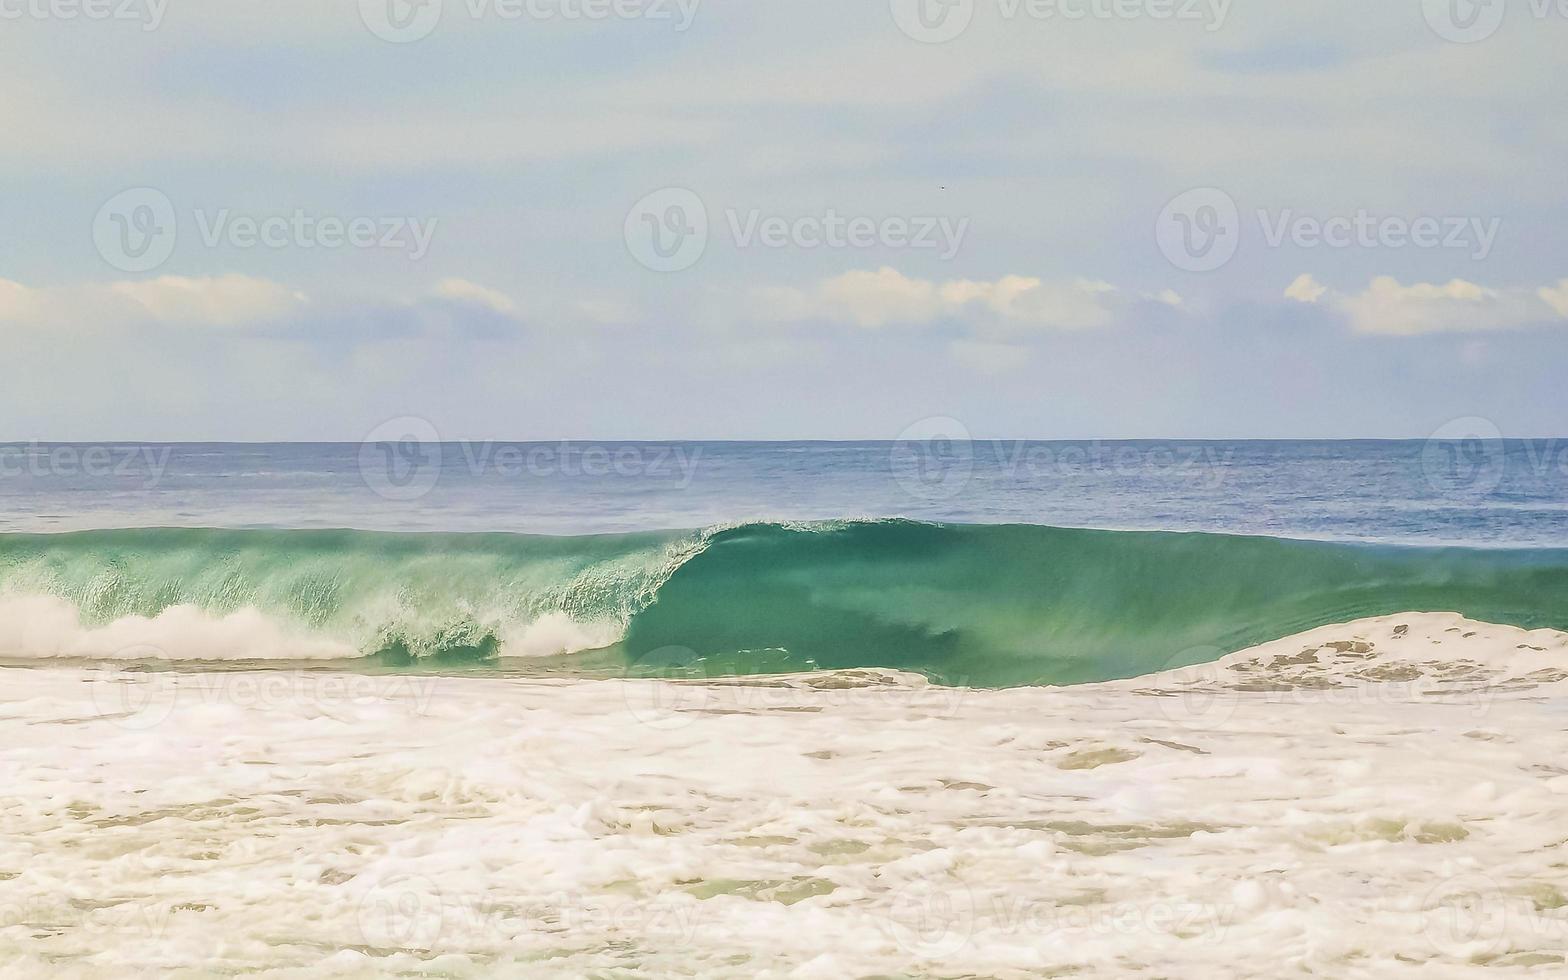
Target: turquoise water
994 605
966 561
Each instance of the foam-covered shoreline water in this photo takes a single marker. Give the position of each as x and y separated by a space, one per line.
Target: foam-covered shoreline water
967 605
1383 798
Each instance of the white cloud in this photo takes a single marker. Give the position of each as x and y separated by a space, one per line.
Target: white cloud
219 301
1458 306
237 303
18 304
1556 297
464 291
1027 301
500 310
1011 304
876 299
1305 289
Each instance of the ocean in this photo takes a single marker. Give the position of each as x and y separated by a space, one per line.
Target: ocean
1466 492
793 710
973 563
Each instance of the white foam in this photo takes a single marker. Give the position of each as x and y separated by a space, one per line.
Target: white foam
557 633
40 627
1301 816
35 626
1401 645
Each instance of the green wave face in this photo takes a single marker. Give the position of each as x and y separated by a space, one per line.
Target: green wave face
1011 605
978 605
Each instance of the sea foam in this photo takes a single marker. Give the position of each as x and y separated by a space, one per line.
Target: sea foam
1308 806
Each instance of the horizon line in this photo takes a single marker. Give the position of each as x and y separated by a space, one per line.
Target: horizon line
755 442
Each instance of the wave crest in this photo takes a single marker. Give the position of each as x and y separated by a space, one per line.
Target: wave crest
994 605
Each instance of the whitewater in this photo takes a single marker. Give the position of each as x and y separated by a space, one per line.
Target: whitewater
1380 798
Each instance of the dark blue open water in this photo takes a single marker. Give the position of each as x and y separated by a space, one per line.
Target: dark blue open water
1461 492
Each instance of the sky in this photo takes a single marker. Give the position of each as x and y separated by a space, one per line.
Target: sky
260 220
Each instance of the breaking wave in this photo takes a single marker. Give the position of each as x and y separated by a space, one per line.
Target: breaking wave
988 605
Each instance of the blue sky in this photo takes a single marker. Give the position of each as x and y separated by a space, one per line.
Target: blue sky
1059 219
